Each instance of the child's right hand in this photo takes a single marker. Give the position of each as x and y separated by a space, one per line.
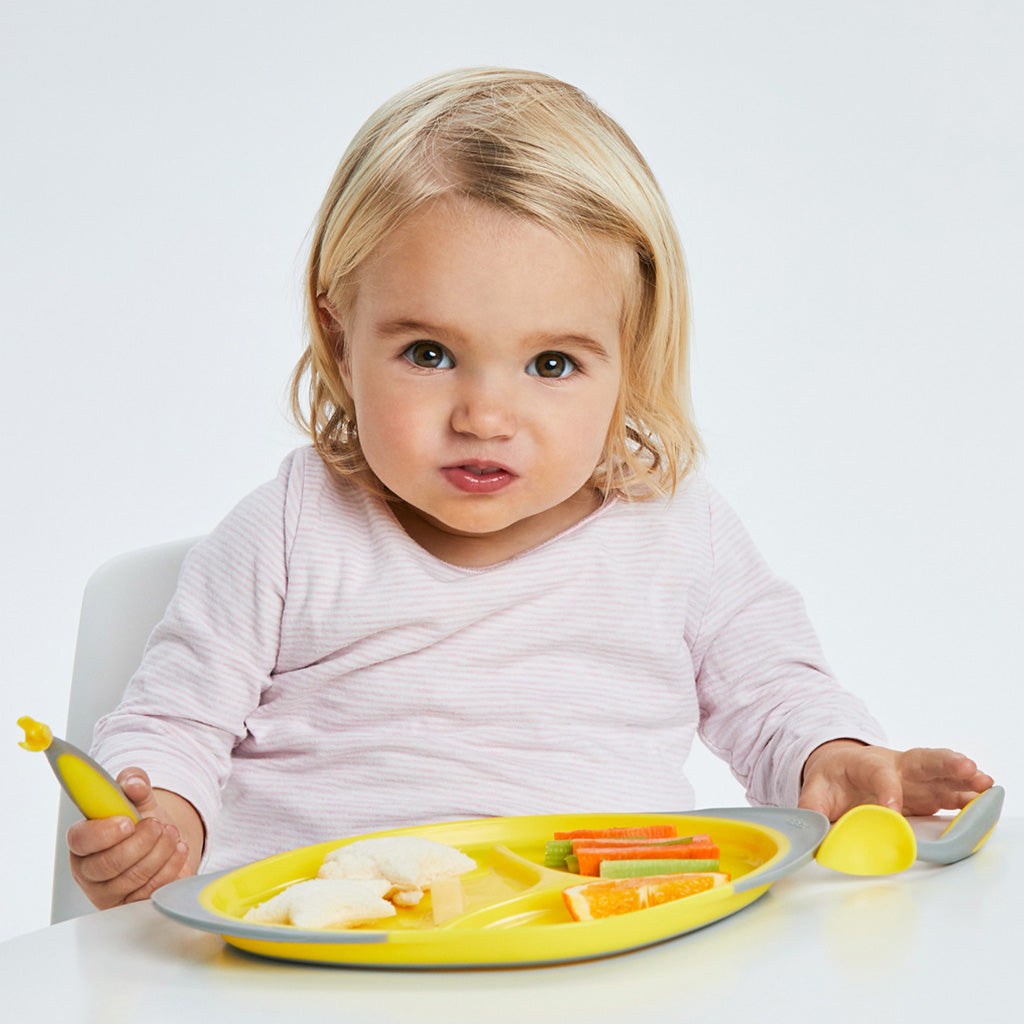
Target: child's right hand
116 861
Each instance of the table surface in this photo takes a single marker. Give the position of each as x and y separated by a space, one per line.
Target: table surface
932 944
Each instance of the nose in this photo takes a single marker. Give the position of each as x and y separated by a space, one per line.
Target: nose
484 409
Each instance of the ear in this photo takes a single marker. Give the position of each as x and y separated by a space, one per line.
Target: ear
331 325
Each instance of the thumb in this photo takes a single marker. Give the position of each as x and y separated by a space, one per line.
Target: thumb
815 796
136 786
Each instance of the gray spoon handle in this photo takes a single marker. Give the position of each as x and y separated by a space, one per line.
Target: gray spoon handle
967 830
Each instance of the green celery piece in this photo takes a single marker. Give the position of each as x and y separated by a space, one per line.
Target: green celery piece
639 868
572 863
555 852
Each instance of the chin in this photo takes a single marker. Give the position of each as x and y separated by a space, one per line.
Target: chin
473 527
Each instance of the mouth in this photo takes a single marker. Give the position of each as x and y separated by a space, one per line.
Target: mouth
478 477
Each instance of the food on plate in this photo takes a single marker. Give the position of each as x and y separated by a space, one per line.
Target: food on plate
635 854
447 900
411 864
606 898
325 903
624 831
589 858
557 851
660 866
589 844
584 856
366 880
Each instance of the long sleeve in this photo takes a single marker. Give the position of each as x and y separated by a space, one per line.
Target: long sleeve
767 697
210 658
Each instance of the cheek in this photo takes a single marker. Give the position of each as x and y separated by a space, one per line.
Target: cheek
391 431
380 424
604 412
583 431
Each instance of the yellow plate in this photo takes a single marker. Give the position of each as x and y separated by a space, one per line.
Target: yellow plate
514 909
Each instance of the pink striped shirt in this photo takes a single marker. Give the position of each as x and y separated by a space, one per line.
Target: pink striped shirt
318 674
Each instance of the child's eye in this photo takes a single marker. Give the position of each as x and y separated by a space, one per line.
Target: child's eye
429 355
551 365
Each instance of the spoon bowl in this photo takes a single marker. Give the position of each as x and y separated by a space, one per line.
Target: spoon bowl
869 840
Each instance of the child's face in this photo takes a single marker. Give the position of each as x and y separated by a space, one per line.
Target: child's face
482 353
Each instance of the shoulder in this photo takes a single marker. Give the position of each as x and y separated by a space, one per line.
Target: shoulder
669 536
305 487
319 492
695 524
327 517
698 507
687 512
270 516
304 516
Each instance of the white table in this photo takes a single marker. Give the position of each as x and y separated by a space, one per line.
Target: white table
931 945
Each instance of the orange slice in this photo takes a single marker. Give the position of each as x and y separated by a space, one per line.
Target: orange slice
593 900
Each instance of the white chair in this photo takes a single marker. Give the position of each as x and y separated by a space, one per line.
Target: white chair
123 600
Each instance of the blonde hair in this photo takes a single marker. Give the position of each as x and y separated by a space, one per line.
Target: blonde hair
535 147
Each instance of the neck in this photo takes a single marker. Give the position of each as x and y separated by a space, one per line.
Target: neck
479 550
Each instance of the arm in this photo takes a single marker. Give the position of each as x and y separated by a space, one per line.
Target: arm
207 664
843 773
116 861
767 696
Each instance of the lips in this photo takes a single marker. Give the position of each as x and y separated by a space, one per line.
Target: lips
478 477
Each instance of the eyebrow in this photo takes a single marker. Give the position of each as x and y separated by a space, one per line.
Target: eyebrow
553 340
405 325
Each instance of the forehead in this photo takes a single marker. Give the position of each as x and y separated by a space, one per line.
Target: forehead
461 255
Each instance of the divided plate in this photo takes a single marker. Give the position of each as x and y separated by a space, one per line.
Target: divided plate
515 914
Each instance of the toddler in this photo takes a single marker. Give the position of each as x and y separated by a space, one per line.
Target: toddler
496 583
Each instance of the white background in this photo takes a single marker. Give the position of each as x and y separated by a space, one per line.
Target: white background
847 181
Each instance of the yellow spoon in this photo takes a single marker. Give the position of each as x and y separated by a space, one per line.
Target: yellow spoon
875 840
869 840
94 792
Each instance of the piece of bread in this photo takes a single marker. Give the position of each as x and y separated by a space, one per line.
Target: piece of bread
325 903
408 862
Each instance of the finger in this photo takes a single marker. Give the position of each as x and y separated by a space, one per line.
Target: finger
826 797
170 870
980 782
924 764
938 779
137 876
142 878
962 767
931 800
963 799
89 837
968 776
110 863
136 785
815 796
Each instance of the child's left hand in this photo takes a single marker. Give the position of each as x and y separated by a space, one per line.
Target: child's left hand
844 773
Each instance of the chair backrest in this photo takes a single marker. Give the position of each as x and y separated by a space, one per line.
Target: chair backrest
123 600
